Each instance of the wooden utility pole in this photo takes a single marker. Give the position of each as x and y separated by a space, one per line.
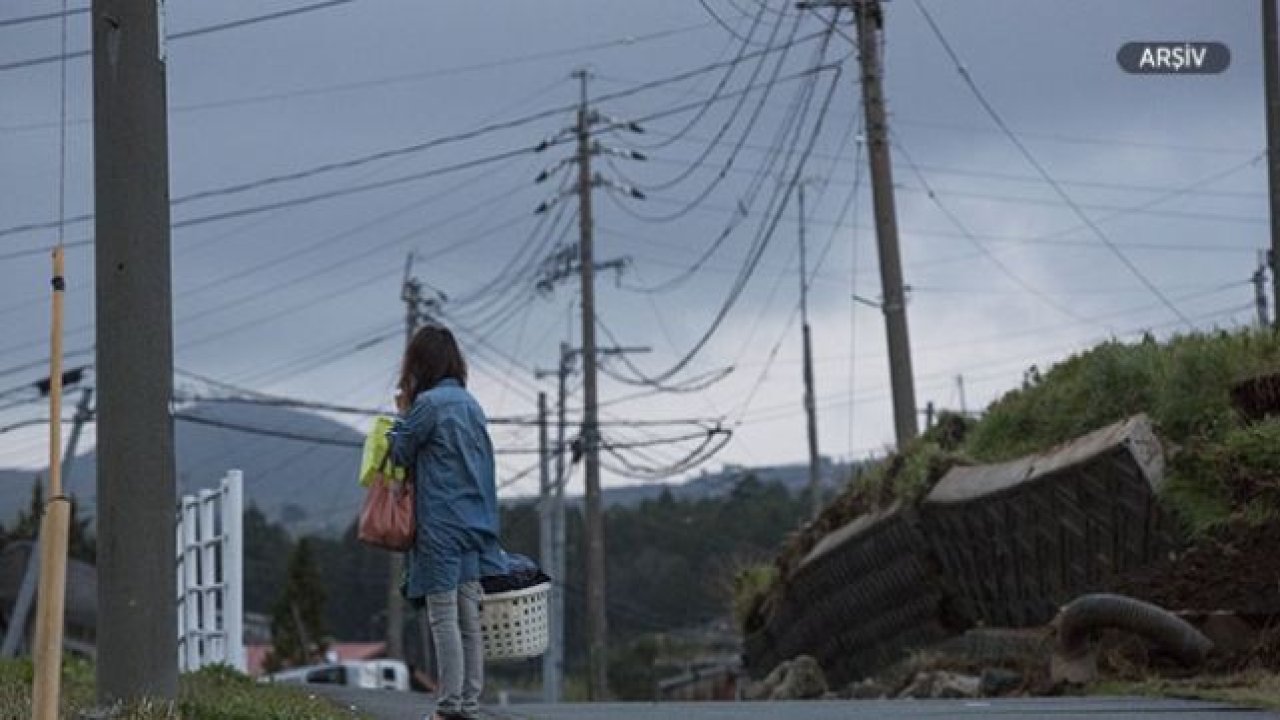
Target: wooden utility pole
137 621
870 21
1271 80
597 620
55 528
810 410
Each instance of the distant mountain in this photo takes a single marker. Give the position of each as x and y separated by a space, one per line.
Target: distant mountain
310 487
710 485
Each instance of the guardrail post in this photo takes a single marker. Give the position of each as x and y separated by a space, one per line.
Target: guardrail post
191 578
208 589
233 569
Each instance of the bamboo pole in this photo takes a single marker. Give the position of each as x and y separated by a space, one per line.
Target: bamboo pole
54 532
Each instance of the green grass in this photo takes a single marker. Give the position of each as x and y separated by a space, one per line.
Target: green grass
1221 466
1183 384
217 693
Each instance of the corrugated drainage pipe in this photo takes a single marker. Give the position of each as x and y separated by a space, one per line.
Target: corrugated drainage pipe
1074 662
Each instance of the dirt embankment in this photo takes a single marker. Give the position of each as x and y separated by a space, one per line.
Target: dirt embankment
1236 569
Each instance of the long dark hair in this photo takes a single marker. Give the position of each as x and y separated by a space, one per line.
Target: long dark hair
432 356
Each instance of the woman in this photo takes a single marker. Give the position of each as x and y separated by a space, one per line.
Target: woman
441 434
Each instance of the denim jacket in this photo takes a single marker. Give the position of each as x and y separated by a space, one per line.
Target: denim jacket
444 438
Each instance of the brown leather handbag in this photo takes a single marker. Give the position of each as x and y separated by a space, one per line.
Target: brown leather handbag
387 516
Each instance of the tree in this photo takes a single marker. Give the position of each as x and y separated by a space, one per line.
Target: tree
356 581
297 619
80 542
266 555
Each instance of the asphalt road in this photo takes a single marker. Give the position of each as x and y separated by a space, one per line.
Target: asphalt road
385 705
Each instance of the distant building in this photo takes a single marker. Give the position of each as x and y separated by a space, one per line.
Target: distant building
257 629
256 654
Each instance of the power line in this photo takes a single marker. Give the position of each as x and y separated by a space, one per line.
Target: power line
964 230
402 78
195 32
307 199
303 437
1166 191
11 22
719 88
729 28
361 160
762 239
1040 168
781 411
1075 139
715 141
851 201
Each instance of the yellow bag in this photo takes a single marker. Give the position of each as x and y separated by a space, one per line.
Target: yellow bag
376 449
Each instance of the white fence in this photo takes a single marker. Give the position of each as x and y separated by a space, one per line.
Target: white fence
211 577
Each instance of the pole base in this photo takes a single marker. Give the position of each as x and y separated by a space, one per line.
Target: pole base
54 536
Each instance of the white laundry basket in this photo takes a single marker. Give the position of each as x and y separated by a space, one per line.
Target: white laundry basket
514 623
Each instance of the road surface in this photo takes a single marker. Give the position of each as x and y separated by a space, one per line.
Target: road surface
386 705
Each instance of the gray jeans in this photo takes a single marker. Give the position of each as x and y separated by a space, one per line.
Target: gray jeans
455 630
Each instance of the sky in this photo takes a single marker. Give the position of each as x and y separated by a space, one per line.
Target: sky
1114 204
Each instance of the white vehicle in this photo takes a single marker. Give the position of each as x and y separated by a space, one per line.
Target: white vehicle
368 674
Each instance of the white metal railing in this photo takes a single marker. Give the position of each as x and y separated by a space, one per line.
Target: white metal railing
210 552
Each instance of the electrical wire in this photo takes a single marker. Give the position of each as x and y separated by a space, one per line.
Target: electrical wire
353 162
959 225
761 243
194 32
180 108
720 176
1040 169
64 13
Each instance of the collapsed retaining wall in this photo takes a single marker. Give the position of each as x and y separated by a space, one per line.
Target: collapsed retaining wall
864 594
996 545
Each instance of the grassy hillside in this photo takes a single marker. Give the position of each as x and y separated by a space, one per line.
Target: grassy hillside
1222 466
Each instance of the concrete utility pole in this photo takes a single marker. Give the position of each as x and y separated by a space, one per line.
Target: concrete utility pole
137 640
1260 290
417 310
554 562
411 294
870 21
815 488
555 690
1271 79
597 620
546 527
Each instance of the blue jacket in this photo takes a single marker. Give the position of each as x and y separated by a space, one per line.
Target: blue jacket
444 438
